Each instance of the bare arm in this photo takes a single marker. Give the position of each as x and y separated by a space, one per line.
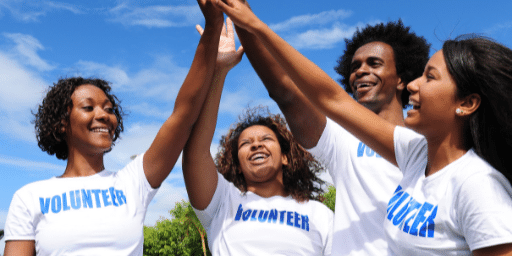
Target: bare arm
318 87
171 138
497 250
305 121
199 169
20 248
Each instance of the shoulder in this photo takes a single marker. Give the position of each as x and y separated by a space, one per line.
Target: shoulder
473 168
318 208
37 186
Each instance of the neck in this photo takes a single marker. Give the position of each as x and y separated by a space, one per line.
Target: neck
444 150
80 165
392 113
268 189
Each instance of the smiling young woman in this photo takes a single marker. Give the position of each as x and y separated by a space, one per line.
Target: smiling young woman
455 197
254 198
89 210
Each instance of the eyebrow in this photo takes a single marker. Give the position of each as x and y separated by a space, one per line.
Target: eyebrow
429 68
91 99
371 58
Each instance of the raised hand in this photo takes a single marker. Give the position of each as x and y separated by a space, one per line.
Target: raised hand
239 12
211 13
227 56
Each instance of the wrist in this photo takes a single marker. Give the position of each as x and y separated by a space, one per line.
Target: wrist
214 24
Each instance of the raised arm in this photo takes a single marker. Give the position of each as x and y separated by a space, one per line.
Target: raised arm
163 153
305 121
318 87
199 168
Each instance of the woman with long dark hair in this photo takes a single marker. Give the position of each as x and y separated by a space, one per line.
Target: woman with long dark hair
455 197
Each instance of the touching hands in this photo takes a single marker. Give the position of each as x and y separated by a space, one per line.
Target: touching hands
211 13
239 12
227 56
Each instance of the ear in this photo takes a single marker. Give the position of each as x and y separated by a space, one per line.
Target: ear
284 159
63 126
469 104
400 85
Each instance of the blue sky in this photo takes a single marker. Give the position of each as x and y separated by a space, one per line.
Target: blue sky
145 49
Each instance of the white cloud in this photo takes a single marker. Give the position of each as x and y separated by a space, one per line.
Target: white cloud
64 6
321 38
31 11
22 90
147 110
311 19
31 165
136 139
156 16
499 28
162 81
234 103
26 51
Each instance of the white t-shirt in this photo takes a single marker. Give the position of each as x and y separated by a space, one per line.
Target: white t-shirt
467 205
238 224
364 183
102 214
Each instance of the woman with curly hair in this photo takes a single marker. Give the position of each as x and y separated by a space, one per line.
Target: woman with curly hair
255 198
88 210
455 197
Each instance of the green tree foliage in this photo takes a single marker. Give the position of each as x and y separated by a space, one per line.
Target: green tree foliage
182 235
329 198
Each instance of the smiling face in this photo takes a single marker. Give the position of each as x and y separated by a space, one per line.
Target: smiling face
434 100
373 76
260 156
92 123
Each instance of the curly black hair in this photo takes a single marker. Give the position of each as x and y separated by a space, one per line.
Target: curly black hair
53 114
299 176
410 51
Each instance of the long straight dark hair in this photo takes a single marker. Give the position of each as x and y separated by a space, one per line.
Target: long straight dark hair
483 66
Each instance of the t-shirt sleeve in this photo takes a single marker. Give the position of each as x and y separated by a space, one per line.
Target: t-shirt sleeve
484 210
19 224
328 245
135 172
206 216
410 148
329 146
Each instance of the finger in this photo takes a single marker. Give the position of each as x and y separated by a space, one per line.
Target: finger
231 32
199 29
240 50
221 5
224 32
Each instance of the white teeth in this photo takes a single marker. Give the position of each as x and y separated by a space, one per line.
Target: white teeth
414 104
258 155
100 130
361 85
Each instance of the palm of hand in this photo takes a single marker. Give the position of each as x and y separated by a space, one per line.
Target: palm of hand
228 56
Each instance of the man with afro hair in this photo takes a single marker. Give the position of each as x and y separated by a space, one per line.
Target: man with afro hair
378 63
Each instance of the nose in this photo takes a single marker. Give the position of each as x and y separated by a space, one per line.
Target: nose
412 86
362 70
102 114
256 145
